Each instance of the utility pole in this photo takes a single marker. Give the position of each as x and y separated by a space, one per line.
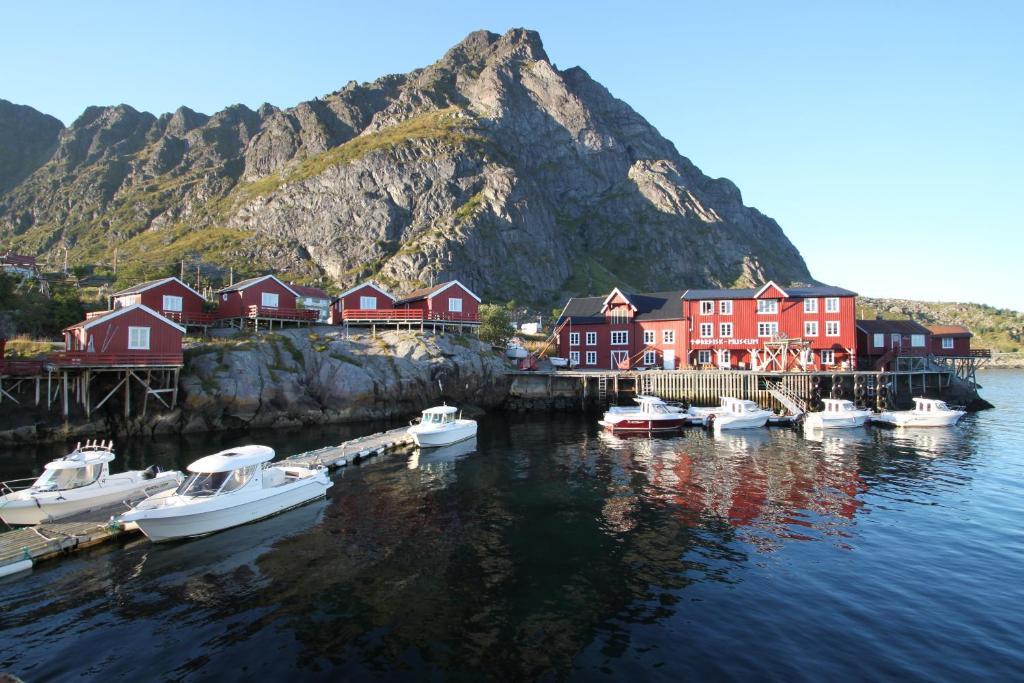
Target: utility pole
115 262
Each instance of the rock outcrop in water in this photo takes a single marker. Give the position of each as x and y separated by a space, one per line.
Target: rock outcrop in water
300 377
492 166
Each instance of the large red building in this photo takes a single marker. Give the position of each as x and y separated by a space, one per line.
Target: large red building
768 328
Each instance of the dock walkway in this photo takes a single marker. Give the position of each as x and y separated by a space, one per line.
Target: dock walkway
21 548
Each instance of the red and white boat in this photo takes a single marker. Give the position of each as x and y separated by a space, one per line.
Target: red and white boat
650 415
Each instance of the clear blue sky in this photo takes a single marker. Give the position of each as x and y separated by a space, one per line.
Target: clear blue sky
886 138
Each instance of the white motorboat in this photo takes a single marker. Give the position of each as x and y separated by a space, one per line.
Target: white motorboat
226 489
736 413
440 426
558 361
651 414
927 412
516 351
836 413
78 482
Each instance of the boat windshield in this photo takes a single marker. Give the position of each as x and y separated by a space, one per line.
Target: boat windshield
203 483
72 478
238 478
435 418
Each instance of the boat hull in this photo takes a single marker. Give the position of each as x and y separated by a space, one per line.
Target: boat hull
908 419
25 507
816 421
433 438
728 422
169 524
619 423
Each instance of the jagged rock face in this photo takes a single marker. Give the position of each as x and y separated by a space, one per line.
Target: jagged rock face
491 166
27 140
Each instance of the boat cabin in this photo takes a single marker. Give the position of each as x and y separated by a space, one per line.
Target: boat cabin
837 405
86 465
739 406
930 405
652 405
439 415
227 471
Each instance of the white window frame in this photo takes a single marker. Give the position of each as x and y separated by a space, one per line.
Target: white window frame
723 355
767 306
767 329
725 330
947 343
649 336
707 307
267 297
574 358
138 338
454 304
878 340
668 336
574 339
831 304
621 335
704 357
810 328
827 357
367 303
591 357
725 307
810 305
172 303
831 328
707 330
650 358
592 340
917 341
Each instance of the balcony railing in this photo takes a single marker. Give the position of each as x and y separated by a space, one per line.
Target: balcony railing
88 359
185 318
282 313
407 315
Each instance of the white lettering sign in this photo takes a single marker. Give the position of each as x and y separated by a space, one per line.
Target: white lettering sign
725 342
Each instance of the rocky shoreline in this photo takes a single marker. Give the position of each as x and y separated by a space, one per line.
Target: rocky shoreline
301 377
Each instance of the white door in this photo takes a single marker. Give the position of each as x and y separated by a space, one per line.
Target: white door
669 359
619 357
724 359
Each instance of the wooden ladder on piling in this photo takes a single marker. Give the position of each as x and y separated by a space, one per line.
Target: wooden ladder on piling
602 388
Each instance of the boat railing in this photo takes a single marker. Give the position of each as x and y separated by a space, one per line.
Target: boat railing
15 485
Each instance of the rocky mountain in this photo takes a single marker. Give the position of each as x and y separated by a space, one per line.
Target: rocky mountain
491 165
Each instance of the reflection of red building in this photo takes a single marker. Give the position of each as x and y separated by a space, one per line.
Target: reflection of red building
745 493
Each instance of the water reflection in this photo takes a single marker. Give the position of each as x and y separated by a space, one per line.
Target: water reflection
505 557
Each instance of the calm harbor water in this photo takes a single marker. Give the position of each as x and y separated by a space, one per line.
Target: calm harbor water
555 551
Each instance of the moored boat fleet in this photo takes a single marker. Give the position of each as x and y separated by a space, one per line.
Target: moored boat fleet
654 415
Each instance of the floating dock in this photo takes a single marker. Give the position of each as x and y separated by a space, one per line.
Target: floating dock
22 548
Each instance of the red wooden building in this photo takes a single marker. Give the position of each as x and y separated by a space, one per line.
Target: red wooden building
170 297
366 301
950 340
450 302
769 328
258 299
879 342
134 335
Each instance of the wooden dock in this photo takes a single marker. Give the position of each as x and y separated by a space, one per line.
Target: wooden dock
54 539
23 547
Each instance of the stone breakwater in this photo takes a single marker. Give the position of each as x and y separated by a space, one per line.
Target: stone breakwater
303 377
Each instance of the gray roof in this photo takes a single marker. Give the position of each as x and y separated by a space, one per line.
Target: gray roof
891 327
650 306
748 293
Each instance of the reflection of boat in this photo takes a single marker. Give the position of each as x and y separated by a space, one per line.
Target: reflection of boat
927 412
439 427
78 482
442 458
230 549
227 489
650 415
836 413
736 413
